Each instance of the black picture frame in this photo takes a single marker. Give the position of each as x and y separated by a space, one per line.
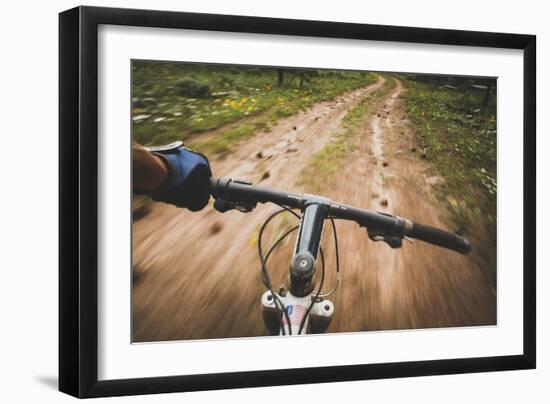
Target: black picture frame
78 200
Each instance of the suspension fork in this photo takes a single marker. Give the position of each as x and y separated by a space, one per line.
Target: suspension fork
302 277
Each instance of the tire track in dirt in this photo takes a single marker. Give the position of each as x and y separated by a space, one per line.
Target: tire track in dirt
419 285
196 275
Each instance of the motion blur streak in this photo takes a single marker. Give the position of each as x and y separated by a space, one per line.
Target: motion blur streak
196 275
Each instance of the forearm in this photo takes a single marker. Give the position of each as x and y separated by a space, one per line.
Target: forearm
149 170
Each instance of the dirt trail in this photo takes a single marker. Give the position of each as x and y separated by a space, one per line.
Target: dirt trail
196 275
418 285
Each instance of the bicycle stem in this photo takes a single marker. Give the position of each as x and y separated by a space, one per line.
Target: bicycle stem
302 268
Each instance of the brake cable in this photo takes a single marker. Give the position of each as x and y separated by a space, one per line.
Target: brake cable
327 294
302 323
267 279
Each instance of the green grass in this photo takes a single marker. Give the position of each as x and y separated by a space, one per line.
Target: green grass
221 144
174 101
323 167
457 133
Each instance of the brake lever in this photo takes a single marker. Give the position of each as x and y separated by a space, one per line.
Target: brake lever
221 205
392 241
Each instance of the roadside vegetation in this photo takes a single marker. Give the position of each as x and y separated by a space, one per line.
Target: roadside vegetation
213 107
323 166
181 101
455 121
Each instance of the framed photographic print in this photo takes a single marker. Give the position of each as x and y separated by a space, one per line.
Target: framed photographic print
250 201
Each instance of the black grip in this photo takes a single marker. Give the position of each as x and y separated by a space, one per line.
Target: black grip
441 238
242 191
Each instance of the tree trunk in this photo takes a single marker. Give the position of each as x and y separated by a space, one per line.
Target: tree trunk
487 95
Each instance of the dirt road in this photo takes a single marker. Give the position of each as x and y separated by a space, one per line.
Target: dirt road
196 275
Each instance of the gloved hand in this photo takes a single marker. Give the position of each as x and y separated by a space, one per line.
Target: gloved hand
188 184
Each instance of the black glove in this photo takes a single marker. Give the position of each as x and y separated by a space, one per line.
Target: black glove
188 184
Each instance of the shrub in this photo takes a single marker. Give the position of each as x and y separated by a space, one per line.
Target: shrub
192 89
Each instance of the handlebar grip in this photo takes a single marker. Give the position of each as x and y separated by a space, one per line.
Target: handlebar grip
233 190
441 238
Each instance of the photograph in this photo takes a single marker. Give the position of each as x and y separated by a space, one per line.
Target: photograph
277 201
353 199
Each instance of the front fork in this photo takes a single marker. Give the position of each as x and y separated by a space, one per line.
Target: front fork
302 280
316 322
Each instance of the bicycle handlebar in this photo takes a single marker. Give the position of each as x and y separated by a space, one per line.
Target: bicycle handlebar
243 195
240 191
440 237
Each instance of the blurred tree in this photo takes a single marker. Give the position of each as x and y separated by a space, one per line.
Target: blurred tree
487 95
280 77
